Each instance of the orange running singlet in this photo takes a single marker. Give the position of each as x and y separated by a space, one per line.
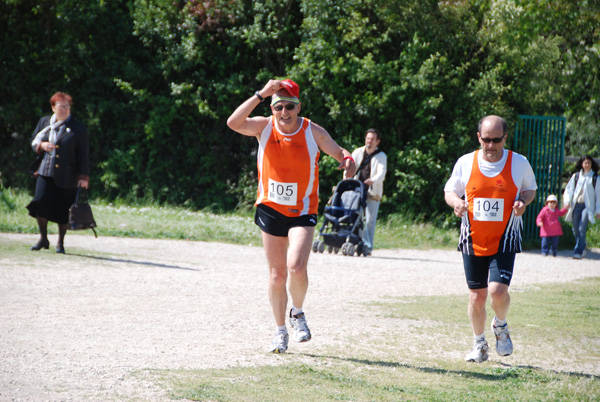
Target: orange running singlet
490 225
288 170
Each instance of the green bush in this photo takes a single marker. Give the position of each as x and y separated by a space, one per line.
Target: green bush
155 81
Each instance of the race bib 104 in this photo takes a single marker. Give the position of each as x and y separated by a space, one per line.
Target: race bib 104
283 193
488 209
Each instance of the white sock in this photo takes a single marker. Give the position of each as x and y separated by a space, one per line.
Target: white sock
499 323
479 338
281 330
296 310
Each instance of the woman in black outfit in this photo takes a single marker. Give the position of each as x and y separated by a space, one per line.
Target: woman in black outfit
64 144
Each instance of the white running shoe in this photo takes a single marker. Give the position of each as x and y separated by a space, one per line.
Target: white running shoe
301 331
280 343
504 345
479 353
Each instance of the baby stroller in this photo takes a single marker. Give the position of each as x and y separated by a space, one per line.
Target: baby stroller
343 223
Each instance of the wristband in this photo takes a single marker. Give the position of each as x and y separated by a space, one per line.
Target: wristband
260 98
522 200
349 157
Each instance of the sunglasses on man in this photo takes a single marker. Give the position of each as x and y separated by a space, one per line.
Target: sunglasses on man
494 140
289 106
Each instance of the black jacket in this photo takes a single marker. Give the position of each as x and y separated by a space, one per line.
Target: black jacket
71 161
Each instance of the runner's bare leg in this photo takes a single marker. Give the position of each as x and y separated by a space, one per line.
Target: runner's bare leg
276 252
298 253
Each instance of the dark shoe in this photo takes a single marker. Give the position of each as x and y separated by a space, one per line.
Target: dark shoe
40 245
60 249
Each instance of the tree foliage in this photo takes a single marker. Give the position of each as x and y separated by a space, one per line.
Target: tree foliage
155 81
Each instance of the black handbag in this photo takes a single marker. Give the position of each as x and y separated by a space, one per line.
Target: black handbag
80 213
35 165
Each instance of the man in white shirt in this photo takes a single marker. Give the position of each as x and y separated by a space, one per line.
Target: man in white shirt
489 190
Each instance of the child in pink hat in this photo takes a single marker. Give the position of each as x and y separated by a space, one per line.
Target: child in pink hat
550 228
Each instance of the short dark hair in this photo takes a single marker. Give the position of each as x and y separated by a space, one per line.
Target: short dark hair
504 124
374 131
579 164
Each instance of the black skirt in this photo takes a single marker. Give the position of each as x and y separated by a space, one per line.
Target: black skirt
51 202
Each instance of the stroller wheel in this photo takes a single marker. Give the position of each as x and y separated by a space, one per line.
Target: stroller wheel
315 246
321 246
350 249
345 248
336 250
329 249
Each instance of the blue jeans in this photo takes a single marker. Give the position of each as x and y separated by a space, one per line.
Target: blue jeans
580 223
370 218
550 245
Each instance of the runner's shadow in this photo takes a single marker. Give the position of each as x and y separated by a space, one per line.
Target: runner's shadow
463 373
428 370
144 263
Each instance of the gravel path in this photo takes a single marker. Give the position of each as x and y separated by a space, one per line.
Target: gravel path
85 325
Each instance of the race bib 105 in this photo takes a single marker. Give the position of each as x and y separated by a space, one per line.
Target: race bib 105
283 193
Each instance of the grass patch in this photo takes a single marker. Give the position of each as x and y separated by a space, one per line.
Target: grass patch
380 381
170 222
553 326
399 232
147 221
573 305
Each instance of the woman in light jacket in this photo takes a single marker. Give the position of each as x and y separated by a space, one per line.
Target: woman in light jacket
583 194
371 168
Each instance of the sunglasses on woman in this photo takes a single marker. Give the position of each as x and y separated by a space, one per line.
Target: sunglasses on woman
494 140
289 106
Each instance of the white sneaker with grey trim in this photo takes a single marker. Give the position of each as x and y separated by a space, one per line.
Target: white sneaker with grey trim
504 345
479 353
279 344
301 331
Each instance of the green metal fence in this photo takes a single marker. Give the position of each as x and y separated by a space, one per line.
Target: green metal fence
542 140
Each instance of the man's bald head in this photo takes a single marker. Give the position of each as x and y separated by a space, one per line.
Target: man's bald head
493 122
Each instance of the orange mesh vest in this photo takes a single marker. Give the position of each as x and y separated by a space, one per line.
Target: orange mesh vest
490 225
288 170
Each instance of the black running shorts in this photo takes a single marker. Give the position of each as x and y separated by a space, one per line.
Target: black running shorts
499 268
277 224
